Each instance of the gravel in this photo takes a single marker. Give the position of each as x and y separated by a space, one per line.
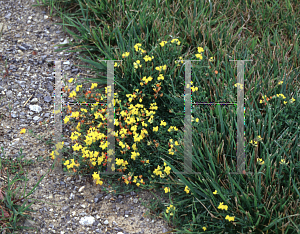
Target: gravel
65 204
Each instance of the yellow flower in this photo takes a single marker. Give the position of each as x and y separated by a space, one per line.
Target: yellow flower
136 47
215 192
281 95
164 67
66 119
134 154
23 131
186 189
239 85
94 85
72 94
77 88
200 49
261 162
283 161
180 58
255 143
137 64
160 77
162 44
162 123
199 56
142 51
147 58
70 80
167 170
280 82
230 218
176 40
204 228
126 54
167 189
222 207
259 138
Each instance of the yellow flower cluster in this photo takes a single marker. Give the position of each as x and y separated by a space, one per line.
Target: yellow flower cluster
160 68
172 128
199 56
137 64
137 183
180 58
158 171
136 47
239 85
277 95
72 164
194 88
197 119
131 117
283 162
229 218
186 189
254 143
126 54
138 110
120 162
146 80
147 58
260 161
170 208
223 207
171 151
97 178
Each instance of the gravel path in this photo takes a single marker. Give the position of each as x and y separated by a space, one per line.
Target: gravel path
64 204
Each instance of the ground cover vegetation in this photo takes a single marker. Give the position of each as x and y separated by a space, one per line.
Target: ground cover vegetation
150 36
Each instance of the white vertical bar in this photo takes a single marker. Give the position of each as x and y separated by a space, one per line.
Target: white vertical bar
188 149
110 119
57 118
240 118
241 160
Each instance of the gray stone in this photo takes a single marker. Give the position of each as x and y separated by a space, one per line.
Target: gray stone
106 222
47 99
22 48
36 118
87 220
34 100
9 94
7 16
35 108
